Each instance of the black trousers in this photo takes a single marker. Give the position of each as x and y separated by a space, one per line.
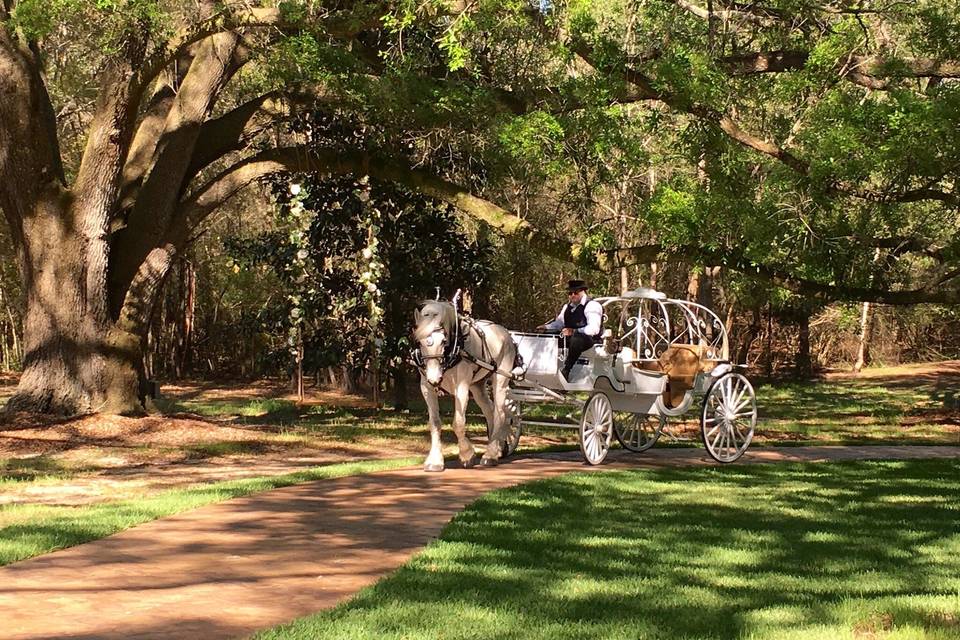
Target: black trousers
576 345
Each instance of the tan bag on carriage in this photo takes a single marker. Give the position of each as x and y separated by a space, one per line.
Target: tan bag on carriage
681 363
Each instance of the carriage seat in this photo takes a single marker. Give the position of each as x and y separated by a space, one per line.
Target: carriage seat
681 363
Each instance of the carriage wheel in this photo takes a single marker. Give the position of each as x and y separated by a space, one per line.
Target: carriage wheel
596 428
514 413
639 431
728 418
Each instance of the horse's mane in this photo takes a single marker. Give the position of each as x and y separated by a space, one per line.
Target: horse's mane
448 318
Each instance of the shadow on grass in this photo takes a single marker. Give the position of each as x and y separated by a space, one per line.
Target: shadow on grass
812 551
33 467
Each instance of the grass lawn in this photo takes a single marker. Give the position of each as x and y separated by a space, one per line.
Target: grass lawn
847 411
28 530
860 411
814 551
903 407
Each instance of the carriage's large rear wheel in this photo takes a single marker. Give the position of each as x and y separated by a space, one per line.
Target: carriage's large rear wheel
638 431
729 417
596 428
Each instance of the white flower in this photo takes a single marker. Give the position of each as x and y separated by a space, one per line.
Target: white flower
368 253
295 189
371 287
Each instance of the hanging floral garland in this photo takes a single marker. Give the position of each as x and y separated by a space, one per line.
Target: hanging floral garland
300 221
373 271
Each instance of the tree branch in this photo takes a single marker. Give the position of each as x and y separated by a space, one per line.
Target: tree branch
810 288
227 184
342 25
723 14
646 90
292 159
871 72
155 203
234 130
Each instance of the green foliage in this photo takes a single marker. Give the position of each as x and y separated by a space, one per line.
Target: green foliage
109 25
342 294
534 140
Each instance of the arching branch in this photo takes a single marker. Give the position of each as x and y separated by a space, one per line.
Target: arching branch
227 184
234 130
744 15
935 293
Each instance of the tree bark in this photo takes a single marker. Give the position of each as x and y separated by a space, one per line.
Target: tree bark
752 332
803 363
400 388
866 333
74 362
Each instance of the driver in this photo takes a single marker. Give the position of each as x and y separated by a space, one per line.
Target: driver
578 321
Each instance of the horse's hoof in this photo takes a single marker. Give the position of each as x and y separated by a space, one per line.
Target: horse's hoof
469 463
488 462
432 468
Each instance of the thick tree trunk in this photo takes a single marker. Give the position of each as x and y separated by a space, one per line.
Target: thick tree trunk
803 363
866 334
752 332
400 388
74 360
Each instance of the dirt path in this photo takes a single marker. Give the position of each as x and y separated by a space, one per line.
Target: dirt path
229 569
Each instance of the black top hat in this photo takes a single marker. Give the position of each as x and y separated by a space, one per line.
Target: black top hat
576 285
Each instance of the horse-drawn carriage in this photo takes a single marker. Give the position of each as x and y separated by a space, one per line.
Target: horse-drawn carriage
658 359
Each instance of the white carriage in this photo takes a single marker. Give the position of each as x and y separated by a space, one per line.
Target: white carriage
659 358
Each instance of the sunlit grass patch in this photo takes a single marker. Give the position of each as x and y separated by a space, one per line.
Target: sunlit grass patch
818 551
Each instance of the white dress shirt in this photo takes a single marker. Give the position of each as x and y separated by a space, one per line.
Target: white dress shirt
592 311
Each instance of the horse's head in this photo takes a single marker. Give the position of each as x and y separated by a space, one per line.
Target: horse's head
434 322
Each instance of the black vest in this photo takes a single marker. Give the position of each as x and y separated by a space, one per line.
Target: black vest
575 318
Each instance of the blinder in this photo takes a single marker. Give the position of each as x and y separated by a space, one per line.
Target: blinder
451 351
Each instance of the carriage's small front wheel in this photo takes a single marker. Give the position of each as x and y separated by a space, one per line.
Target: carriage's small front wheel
514 418
638 431
729 417
596 428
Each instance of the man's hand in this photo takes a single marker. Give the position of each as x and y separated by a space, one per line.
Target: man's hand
567 332
541 327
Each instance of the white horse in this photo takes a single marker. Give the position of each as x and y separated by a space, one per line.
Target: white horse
459 355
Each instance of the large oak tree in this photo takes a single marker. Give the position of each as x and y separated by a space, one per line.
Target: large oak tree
124 124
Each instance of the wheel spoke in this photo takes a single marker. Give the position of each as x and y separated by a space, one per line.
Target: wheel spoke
716 440
741 434
742 391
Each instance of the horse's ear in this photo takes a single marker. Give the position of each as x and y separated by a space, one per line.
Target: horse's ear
417 314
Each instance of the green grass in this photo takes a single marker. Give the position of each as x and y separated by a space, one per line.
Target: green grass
38 469
857 412
31 530
842 411
817 551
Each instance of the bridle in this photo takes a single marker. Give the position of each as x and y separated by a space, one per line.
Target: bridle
454 351
449 356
